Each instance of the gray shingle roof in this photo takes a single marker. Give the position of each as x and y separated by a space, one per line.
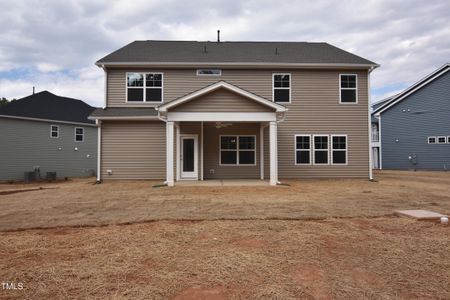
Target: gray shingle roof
123 112
232 52
48 106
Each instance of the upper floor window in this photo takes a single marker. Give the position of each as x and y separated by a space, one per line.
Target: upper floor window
282 88
209 72
54 131
431 140
79 134
348 88
144 87
441 139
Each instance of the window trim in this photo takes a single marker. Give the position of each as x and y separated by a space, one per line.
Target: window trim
297 150
220 72
237 164
57 131
314 149
290 88
355 88
144 87
435 140
332 149
448 139
75 135
441 136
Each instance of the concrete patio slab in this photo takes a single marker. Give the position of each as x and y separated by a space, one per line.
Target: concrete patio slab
420 214
223 182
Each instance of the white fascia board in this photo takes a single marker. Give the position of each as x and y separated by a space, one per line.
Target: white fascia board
222 117
238 64
418 85
215 86
48 120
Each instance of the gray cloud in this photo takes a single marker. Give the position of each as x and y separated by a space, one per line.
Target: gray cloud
59 41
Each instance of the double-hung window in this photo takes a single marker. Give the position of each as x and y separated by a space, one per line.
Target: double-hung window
441 139
348 88
144 87
303 149
54 131
237 150
321 149
338 149
282 88
79 134
431 140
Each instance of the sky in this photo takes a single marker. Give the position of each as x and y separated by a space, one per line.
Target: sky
53 45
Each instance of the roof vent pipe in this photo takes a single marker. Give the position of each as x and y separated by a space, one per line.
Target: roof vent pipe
33 90
276 51
218 36
204 49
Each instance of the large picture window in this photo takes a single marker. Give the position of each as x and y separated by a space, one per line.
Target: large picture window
144 87
348 88
321 149
339 149
237 150
282 87
303 149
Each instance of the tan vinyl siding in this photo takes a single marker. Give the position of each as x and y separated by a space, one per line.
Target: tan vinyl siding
221 100
133 150
211 154
314 109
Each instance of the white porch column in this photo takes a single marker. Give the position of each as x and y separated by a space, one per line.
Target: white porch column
273 153
261 150
169 152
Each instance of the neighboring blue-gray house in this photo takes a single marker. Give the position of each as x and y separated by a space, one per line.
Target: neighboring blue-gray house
47 133
414 126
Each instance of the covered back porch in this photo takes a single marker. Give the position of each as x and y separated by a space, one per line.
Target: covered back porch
221 132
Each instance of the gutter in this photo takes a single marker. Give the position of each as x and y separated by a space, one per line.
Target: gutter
237 64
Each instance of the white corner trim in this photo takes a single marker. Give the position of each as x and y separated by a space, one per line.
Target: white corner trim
215 86
369 129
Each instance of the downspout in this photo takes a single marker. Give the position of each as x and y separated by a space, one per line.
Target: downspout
99 150
369 123
163 119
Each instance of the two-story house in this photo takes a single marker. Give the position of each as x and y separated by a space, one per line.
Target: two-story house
44 132
414 125
187 110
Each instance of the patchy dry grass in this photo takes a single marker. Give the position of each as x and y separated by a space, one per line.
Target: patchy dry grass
80 203
376 258
270 246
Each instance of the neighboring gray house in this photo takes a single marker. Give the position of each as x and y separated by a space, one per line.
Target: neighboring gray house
414 125
47 132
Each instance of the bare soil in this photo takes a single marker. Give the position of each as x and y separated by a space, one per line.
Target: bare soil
79 202
358 258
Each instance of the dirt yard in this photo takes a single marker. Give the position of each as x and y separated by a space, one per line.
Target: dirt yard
377 258
314 239
80 203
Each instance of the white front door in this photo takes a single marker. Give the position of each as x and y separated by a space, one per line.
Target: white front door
189 156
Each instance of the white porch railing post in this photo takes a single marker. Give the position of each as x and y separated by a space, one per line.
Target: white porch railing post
169 152
273 153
